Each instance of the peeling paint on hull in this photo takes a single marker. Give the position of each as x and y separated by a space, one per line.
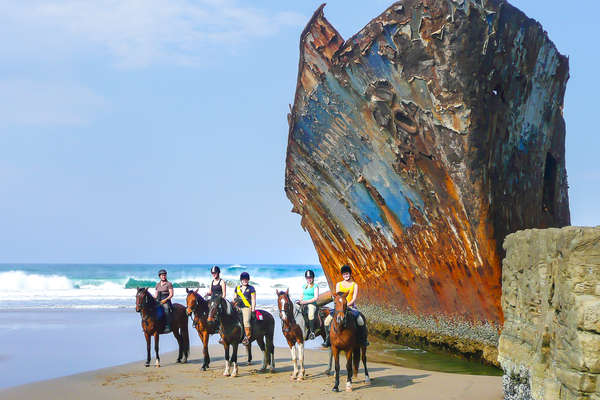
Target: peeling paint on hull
418 144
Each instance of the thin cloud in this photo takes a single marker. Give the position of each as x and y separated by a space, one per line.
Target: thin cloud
30 102
138 33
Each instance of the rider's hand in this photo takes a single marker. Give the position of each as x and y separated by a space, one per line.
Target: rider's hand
163 301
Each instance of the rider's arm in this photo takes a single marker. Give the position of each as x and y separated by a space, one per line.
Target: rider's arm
316 298
253 302
337 287
355 296
171 293
224 288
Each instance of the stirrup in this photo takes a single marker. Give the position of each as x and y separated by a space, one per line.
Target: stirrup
245 341
311 336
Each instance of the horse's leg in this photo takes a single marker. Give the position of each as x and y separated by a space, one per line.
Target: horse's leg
179 342
349 354
364 360
185 338
148 339
328 370
226 372
293 353
271 347
156 336
234 369
301 360
261 344
204 337
249 352
336 355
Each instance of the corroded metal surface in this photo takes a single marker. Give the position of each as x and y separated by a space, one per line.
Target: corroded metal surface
419 143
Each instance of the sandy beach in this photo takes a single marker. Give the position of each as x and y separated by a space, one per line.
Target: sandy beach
188 381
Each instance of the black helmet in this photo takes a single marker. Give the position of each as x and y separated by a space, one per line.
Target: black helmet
309 274
345 268
244 275
215 270
162 271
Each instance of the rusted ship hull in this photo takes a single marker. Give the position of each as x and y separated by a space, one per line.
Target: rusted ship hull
417 145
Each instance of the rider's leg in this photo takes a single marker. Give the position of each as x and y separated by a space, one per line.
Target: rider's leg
312 308
168 315
362 330
246 314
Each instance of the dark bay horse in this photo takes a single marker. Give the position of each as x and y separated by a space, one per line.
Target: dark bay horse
197 305
343 336
221 311
295 331
147 306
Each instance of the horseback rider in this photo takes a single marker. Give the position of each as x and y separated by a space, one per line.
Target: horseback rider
310 294
245 300
217 286
163 293
347 285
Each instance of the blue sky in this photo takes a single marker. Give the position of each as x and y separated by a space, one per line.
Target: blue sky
155 131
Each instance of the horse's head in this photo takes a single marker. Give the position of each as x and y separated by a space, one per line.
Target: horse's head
142 298
284 303
340 308
215 308
191 301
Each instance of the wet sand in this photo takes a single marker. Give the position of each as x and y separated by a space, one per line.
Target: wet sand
176 381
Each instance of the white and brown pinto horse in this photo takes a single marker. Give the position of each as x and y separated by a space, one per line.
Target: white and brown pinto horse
295 332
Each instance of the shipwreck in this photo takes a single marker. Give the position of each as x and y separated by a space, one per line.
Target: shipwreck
415 147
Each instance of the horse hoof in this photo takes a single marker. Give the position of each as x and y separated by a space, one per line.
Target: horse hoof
367 380
335 389
147 365
226 374
300 378
249 363
328 372
292 377
203 368
348 387
178 361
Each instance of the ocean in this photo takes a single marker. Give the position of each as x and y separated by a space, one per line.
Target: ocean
110 286
62 319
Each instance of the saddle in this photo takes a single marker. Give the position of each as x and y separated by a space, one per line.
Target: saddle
161 316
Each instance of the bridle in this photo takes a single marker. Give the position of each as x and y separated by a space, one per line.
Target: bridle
286 314
214 309
336 313
197 314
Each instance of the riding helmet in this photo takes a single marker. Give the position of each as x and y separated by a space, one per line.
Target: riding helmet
162 271
244 275
309 274
345 268
215 270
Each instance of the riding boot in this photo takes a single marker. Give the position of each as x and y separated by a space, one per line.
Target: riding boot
326 343
246 339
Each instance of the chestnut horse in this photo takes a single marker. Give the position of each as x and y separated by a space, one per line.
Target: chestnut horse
221 311
295 331
147 306
197 305
343 336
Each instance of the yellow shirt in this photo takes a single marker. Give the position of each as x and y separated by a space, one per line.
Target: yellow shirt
349 290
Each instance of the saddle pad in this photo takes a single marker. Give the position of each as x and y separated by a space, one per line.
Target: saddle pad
259 315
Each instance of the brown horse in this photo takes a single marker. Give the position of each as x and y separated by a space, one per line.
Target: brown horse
220 311
147 305
343 336
295 331
197 305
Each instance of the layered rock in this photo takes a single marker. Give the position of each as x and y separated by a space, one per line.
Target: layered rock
550 343
416 145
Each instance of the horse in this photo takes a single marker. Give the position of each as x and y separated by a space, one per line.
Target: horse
343 336
199 307
295 332
232 333
147 306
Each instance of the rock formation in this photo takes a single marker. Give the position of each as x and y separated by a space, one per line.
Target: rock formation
550 343
416 145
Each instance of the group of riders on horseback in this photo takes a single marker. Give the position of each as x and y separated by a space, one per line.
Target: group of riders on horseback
240 322
245 300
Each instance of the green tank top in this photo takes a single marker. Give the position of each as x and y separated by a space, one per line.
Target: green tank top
308 293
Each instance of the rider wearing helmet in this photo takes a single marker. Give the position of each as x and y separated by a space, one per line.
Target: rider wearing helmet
163 293
310 294
347 285
245 300
217 286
